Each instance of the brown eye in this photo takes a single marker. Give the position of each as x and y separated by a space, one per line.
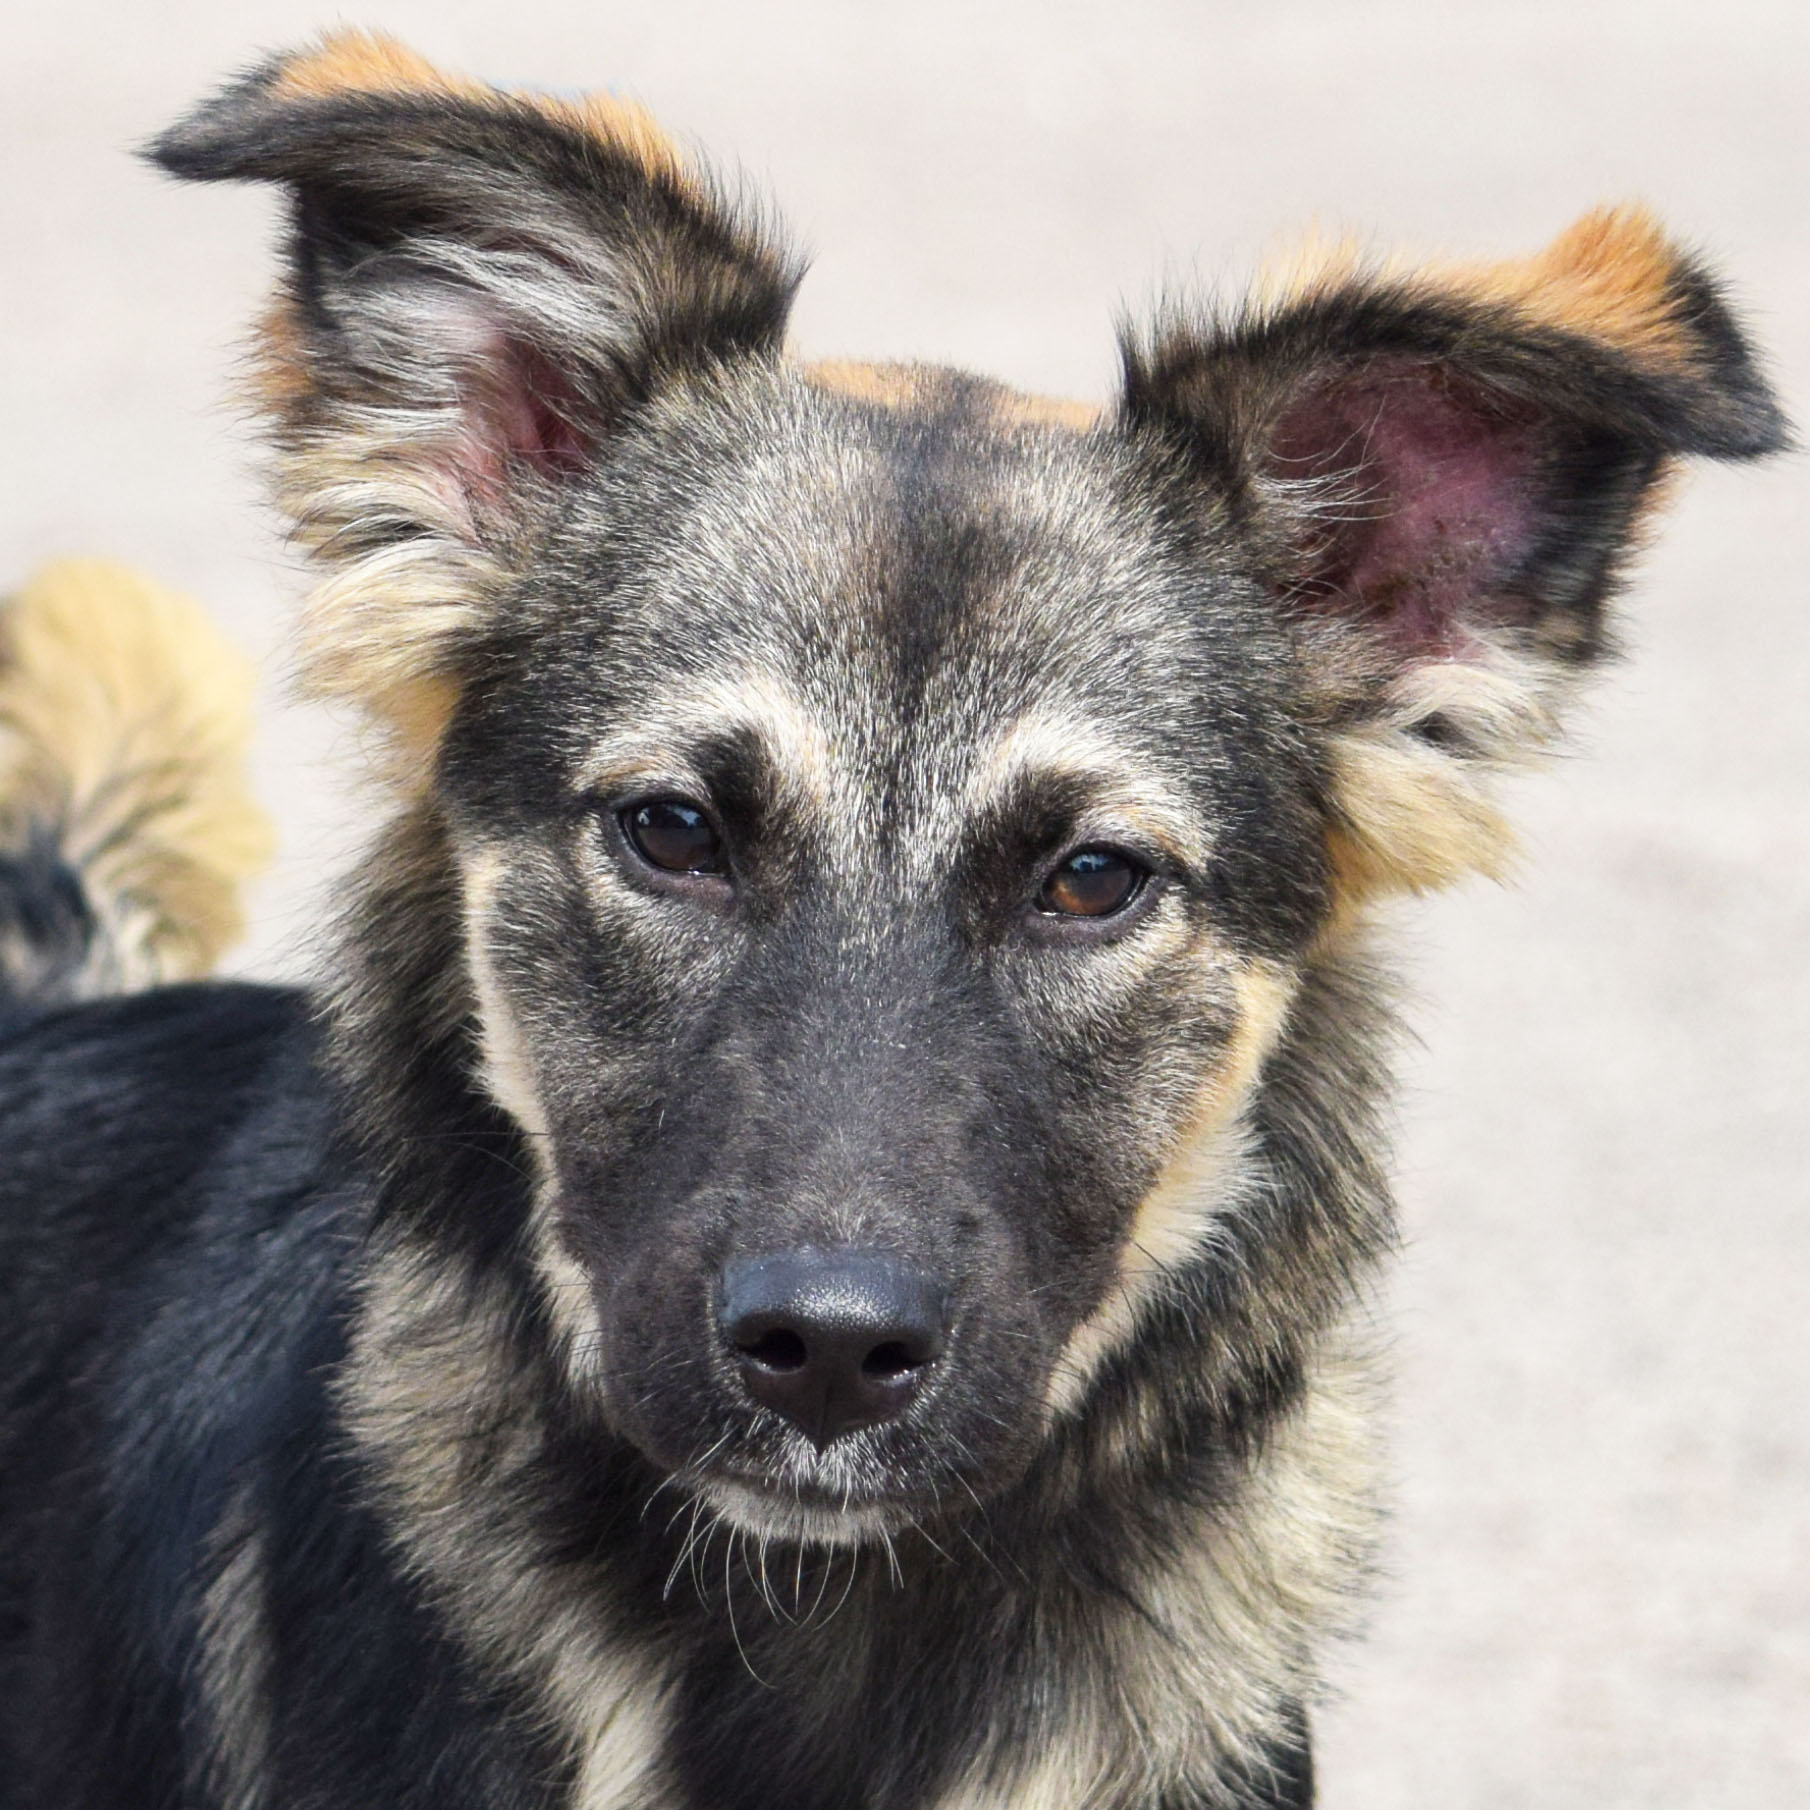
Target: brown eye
1092 883
671 834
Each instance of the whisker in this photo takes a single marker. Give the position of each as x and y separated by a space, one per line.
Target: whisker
729 1599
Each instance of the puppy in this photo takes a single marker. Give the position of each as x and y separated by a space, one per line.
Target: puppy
808 1251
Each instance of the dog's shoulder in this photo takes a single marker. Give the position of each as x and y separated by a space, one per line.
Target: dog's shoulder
120 1101
180 1221
146 1135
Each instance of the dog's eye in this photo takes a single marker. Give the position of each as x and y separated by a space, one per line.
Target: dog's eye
671 834
1092 883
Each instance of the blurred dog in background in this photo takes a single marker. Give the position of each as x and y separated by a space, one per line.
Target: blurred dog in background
811 1248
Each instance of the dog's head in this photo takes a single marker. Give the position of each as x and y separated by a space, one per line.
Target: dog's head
893 815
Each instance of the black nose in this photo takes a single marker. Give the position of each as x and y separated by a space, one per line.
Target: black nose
833 1340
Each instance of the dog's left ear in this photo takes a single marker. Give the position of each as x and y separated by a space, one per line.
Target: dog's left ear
1442 473
482 289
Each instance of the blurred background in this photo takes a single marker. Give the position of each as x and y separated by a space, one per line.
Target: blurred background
1598 1572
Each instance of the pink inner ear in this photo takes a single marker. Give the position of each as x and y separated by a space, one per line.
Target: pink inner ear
536 409
1430 504
516 407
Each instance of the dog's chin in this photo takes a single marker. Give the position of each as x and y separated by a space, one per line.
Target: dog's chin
847 1495
775 1515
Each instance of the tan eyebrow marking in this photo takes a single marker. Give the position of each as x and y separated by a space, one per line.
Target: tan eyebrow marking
1043 745
757 705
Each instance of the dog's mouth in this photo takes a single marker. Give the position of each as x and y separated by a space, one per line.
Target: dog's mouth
850 1491
809 1515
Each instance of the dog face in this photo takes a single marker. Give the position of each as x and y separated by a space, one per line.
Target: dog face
846 873
893 817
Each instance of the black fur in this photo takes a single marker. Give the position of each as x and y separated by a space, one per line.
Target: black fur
46 926
374 175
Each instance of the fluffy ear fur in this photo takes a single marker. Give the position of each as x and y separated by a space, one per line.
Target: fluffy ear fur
481 286
1444 471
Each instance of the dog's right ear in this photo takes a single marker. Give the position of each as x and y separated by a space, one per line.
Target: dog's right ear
481 287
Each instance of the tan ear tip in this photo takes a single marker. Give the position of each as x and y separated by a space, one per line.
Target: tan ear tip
353 60
1618 239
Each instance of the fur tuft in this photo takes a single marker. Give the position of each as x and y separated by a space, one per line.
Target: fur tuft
127 823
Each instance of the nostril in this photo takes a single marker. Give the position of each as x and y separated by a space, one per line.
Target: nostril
889 1361
779 1351
831 1340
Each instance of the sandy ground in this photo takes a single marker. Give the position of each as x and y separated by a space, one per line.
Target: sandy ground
1599 1573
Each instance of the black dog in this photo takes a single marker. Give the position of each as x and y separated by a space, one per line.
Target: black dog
807 1254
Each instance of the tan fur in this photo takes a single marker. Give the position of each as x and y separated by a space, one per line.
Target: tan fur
908 386
435 1399
1018 408
382 628
508 1073
359 62
235 1660
1198 1188
1254 1589
274 380
1266 1581
507 1069
124 724
893 386
1608 276
1407 817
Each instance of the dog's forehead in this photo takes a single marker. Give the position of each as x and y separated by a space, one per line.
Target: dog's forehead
906 543
920 585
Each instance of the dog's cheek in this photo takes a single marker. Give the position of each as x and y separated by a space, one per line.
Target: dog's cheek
1126 1039
1200 1165
578 1020
1152 1064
